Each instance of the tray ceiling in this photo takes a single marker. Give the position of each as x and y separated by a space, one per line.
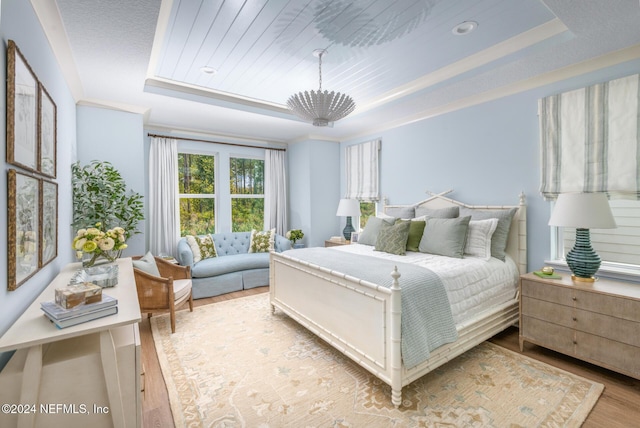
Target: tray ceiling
395 59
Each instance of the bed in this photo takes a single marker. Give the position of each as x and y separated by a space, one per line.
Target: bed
363 318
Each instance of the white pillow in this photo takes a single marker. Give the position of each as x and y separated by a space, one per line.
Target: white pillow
479 238
195 248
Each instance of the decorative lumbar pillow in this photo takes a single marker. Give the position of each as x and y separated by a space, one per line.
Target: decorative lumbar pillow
445 236
147 264
400 212
449 212
262 242
479 238
393 238
416 229
501 234
202 248
369 235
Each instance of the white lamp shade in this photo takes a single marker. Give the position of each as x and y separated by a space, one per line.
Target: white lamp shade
582 211
348 208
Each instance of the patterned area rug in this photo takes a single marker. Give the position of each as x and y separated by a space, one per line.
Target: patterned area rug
233 364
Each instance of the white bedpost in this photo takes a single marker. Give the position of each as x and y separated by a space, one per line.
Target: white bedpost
396 339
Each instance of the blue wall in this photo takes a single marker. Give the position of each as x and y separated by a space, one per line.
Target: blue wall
487 154
18 22
116 137
314 184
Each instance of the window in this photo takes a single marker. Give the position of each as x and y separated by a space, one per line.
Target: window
196 189
247 194
367 209
618 248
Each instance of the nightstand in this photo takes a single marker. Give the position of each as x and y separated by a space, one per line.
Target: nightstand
329 243
597 322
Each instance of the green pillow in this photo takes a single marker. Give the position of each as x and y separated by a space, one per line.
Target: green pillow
445 236
416 228
202 248
393 238
262 242
147 264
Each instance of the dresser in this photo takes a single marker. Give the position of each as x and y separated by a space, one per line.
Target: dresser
598 322
87 375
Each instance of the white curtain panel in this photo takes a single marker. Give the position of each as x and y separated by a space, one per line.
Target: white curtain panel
362 164
275 191
164 214
590 140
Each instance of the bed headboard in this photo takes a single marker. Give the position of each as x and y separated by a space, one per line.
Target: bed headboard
517 241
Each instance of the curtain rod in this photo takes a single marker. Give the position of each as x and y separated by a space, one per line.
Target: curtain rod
216 142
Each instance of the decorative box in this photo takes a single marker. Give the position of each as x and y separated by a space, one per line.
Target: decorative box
76 294
102 276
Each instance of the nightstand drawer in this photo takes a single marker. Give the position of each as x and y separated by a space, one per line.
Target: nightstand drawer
547 292
547 334
618 307
585 321
547 311
609 353
607 304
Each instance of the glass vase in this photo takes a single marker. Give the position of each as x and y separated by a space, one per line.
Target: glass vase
99 258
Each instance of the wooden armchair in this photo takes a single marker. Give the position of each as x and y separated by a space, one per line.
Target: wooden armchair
166 292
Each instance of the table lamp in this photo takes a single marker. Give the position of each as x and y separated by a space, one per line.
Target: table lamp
583 211
348 208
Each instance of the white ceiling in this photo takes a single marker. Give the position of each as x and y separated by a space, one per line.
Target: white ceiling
399 60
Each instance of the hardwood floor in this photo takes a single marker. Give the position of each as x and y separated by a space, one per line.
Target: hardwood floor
618 406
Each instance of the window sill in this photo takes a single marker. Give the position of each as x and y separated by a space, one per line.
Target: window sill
611 270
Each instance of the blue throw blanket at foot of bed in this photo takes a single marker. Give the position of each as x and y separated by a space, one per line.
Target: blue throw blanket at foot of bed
427 322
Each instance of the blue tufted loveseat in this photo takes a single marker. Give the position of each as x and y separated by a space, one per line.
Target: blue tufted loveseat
234 269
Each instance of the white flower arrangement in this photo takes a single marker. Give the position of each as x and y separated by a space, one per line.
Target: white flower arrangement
99 243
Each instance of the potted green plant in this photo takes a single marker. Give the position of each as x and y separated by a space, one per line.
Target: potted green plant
105 214
294 235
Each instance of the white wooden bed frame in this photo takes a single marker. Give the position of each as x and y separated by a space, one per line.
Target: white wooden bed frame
362 319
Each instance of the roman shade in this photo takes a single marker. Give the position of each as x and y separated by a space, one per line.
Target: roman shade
590 140
362 163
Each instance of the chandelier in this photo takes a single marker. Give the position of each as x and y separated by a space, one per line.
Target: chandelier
321 107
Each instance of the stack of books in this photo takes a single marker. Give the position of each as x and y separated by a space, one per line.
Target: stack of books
62 317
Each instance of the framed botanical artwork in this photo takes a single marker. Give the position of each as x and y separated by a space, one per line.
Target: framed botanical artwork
22 111
48 225
23 224
47 131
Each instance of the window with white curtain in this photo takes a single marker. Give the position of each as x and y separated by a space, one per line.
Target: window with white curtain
247 194
590 140
197 193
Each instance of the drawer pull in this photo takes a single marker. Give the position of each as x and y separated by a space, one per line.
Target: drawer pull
574 298
575 342
575 319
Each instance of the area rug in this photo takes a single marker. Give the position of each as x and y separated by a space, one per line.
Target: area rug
234 364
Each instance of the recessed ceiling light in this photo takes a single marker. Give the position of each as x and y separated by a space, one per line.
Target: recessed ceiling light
208 70
464 28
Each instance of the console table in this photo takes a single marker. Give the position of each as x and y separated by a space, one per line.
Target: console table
84 375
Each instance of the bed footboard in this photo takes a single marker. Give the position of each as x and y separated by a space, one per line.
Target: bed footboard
356 317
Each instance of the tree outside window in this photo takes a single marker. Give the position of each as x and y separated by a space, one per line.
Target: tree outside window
247 194
196 188
367 209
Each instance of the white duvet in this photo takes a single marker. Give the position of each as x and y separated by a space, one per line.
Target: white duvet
473 285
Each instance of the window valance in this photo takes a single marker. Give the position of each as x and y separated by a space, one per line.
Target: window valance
590 140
